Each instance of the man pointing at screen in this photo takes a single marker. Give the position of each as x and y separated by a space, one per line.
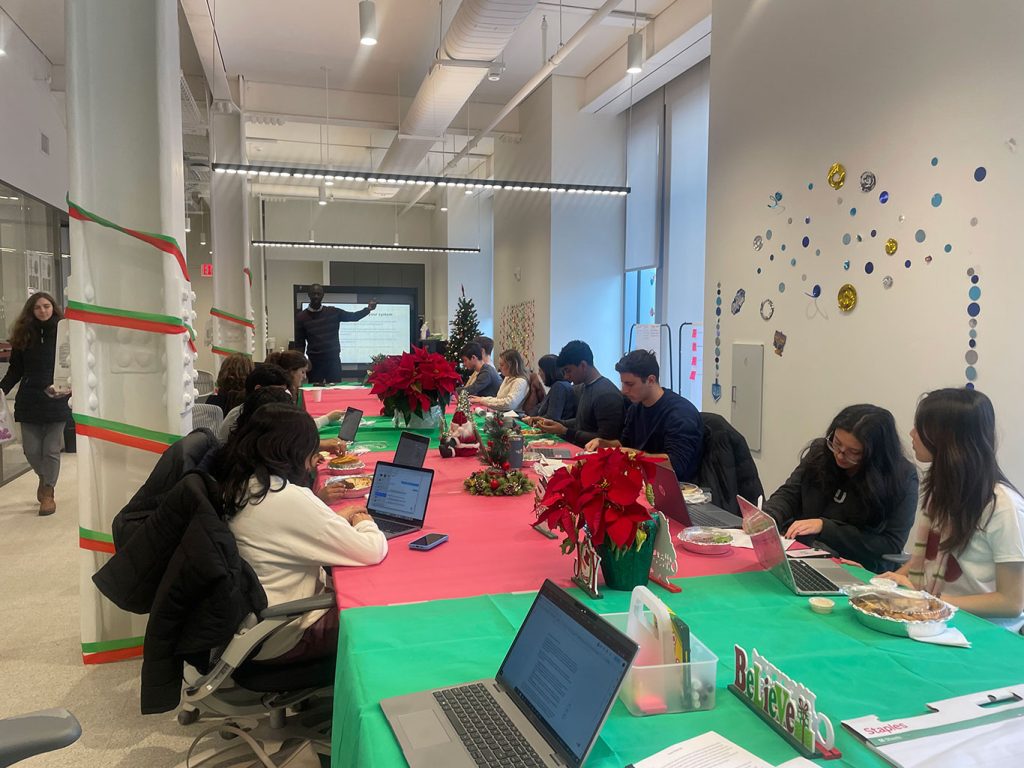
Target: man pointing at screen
316 334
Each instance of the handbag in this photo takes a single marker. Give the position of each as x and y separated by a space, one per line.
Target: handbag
6 422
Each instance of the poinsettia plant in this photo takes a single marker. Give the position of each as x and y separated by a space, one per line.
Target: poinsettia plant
413 382
599 495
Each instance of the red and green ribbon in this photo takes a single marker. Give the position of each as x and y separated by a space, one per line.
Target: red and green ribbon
123 434
95 541
105 651
248 273
126 318
164 243
236 319
227 351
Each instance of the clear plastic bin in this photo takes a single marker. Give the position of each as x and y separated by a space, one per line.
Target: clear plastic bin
664 688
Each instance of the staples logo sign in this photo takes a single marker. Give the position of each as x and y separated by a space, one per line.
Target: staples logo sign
884 729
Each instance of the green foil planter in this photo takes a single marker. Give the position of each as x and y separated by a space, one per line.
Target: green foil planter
628 568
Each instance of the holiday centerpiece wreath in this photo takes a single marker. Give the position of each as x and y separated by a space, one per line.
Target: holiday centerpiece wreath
499 478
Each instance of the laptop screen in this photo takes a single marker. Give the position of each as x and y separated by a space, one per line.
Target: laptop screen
412 450
350 424
668 496
564 670
764 535
400 493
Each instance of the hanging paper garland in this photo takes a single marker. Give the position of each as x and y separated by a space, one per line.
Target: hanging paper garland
164 243
123 434
126 318
227 351
236 319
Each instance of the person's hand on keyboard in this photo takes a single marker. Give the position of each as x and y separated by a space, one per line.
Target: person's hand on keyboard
808 527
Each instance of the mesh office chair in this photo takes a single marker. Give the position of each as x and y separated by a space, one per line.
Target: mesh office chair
207 417
26 736
204 382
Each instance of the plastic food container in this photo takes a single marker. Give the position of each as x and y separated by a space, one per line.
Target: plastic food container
354 485
897 611
656 690
336 467
821 604
704 540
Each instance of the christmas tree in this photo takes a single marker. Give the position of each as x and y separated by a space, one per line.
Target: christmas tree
465 328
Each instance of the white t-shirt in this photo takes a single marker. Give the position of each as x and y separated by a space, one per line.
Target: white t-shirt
287 538
1001 540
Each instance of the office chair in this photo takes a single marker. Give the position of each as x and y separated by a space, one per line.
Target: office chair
207 417
26 736
204 382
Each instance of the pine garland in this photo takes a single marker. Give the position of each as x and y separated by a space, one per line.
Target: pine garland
496 482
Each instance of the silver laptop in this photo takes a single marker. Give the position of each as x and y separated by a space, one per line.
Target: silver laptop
803 577
544 709
398 498
668 498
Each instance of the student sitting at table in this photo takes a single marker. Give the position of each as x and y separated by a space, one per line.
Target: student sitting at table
487 344
854 491
295 364
284 531
968 545
514 387
600 407
659 422
230 391
560 401
484 380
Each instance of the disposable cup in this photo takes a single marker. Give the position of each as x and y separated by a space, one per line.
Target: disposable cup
315 393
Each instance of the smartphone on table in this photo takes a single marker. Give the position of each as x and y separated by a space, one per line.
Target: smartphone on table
429 541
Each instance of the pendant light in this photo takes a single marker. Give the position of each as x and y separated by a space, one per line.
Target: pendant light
635 49
367 22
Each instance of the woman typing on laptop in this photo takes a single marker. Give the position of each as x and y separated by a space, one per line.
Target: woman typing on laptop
284 531
968 547
854 490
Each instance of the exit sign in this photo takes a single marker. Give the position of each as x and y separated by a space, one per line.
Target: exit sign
206 270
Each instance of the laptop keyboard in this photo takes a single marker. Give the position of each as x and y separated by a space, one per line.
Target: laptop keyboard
485 729
807 579
703 518
387 527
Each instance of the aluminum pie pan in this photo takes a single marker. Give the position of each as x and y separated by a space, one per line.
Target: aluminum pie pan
901 627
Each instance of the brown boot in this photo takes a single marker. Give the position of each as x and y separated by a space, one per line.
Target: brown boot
39 490
47 506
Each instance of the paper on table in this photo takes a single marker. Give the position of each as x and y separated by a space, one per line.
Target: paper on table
952 636
711 750
741 540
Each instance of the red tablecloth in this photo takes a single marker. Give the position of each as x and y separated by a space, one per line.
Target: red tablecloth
491 549
340 398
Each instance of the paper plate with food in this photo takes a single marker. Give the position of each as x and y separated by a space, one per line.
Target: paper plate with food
346 464
900 611
353 486
705 540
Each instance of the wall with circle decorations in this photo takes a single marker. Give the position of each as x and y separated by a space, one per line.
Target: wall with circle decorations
866 196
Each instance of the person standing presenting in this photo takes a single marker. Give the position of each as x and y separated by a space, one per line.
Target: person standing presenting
316 334
42 417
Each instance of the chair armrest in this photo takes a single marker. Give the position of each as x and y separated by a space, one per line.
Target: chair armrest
23 736
897 559
297 607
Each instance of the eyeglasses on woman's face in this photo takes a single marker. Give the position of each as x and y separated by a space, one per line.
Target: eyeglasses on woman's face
843 450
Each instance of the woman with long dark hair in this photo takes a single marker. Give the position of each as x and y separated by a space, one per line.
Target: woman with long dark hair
283 530
969 541
854 491
42 417
560 401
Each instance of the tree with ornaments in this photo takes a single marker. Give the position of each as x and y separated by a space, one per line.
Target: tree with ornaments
465 328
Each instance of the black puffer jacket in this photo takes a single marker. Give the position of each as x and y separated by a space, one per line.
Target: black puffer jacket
727 467
205 589
33 367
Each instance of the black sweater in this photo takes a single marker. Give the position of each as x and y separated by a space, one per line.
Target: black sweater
671 426
600 412
316 333
33 367
850 527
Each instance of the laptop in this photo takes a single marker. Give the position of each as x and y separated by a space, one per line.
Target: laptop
412 450
398 498
544 709
668 498
350 424
802 577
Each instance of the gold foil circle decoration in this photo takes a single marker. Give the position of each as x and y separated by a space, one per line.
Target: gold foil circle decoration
847 298
836 176
891 246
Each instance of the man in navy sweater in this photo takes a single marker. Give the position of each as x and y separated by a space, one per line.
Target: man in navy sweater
316 334
659 422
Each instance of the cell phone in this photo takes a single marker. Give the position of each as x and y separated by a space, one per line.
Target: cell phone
431 540
350 424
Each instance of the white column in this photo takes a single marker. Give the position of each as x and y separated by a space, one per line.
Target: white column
133 389
229 211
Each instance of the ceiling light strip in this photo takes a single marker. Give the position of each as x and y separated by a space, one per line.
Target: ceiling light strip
363 246
265 172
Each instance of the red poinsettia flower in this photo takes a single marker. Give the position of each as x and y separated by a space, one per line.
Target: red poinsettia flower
413 382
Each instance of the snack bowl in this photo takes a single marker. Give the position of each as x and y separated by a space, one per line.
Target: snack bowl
704 540
345 465
900 611
821 604
354 485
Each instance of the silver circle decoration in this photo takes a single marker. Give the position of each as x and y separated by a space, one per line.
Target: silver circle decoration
867 181
887 282
973 310
767 309
758 242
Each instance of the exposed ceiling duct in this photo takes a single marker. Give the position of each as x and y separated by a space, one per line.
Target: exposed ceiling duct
478 34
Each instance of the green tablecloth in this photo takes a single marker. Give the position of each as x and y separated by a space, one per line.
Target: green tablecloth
378 433
855 671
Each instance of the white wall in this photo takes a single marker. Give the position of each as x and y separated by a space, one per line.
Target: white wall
878 86
281 276
28 110
471 224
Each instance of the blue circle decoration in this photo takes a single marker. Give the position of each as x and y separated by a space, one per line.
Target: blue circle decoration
869 268
807 220
718 311
768 235
771 257
853 211
973 334
718 351
974 309
782 287
816 291
968 385
972 343
974 279
980 173
759 270
874 232
883 198
975 293
971 373
935 161
783 246
907 263
948 248
792 262
778 196
718 301
806 241
860 239
936 200
817 251
846 239
846 264
919 235
810 185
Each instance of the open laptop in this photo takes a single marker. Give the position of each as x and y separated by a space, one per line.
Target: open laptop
412 449
545 708
668 498
350 424
398 498
803 577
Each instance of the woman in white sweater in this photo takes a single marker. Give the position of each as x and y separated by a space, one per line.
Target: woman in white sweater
284 531
514 387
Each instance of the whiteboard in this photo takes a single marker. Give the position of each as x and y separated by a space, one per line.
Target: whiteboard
648 336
